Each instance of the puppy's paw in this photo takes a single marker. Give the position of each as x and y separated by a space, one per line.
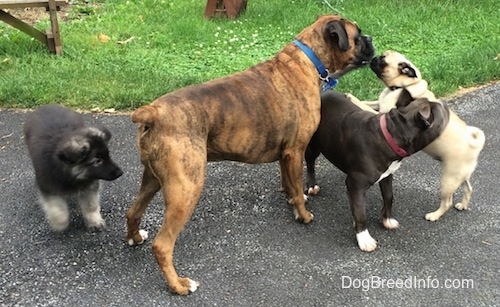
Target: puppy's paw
390 223
58 222
433 216
365 241
313 190
95 224
139 238
460 206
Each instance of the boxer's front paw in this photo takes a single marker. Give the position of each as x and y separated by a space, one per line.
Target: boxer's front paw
390 223
365 241
139 238
184 286
306 219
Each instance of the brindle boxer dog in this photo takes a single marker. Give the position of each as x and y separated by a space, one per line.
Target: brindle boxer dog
264 114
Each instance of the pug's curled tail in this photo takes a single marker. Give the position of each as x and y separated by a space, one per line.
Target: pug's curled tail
477 138
146 115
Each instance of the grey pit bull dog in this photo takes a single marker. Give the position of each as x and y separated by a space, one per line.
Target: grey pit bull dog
369 147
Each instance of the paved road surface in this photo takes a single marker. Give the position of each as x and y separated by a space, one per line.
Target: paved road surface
242 243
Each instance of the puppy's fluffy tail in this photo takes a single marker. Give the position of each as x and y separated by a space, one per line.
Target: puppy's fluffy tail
146 115
476 137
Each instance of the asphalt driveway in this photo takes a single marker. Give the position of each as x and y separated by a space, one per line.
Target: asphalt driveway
242 243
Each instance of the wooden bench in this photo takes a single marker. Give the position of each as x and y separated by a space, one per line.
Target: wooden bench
52 38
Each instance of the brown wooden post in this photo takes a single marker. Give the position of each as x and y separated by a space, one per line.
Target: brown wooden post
225 8
54 40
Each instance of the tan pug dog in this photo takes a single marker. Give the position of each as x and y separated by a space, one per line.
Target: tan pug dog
459 145
267 113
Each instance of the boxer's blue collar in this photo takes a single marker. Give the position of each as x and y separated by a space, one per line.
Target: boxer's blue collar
390 140
324 74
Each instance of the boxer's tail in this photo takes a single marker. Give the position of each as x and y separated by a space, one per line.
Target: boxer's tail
146 115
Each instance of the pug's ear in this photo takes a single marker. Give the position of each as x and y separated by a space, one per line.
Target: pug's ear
74 150
337 31
404 98
407 70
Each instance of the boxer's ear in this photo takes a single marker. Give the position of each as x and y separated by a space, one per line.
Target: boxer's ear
404 98
337 31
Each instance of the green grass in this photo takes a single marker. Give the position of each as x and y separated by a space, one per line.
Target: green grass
454 43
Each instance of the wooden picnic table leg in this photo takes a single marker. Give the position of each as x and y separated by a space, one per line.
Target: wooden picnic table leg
54 37
26 28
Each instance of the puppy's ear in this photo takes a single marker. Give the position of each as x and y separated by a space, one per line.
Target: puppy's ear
337 31
74 150
407 70
98 131
404 98
424 115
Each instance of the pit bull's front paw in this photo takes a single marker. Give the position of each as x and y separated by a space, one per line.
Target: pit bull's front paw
433 216
139 238
365 241
460 206
390 223
313 190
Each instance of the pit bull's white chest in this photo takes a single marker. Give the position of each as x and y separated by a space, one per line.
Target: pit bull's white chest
390 170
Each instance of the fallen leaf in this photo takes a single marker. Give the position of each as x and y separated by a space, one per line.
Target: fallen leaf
95 110
128 40
103 38
6 60
110 110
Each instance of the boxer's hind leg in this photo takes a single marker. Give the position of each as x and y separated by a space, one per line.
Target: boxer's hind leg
182 175
149 187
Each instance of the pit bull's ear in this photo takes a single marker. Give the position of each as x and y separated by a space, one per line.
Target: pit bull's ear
337 31
404 98
407 70
425 115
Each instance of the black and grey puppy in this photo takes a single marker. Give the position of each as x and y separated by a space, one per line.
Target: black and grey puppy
69 160
369 147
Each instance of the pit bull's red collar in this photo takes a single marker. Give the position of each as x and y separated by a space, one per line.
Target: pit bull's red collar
390 140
